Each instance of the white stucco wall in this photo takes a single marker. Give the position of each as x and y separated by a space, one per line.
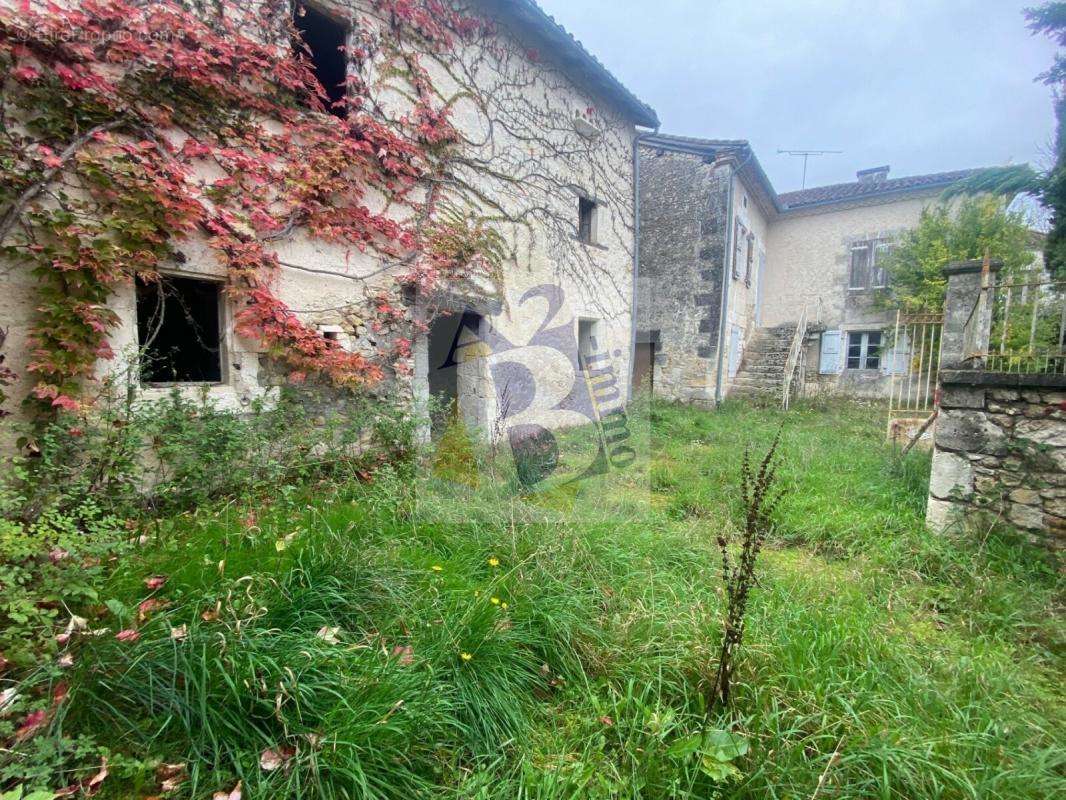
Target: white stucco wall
542 163
810 256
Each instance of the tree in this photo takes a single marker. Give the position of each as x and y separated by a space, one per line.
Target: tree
979 224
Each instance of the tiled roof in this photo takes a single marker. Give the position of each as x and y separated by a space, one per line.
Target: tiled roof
574 57
862 190
740 149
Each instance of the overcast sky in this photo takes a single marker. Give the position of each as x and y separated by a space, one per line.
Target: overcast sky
922 85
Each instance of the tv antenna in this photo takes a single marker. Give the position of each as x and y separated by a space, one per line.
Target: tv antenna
807 154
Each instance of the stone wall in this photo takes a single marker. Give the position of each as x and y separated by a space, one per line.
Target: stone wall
537 162
679 290
1001 451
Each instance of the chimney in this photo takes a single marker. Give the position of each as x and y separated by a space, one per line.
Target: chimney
872 175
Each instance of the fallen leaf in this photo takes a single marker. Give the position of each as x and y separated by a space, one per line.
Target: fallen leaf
30 725
94 782
212 613
232 794
58 554
406 654
170 776
179 632
155 582
147 607
65 661
270 759
128 635
328 634
605 720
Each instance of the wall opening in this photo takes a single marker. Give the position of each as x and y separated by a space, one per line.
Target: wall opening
644 362
587 346
586 220
179 330
452 341
326 38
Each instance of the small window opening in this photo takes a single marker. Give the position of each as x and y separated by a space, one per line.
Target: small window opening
586 215
178 330
864 350
326 38
332 336
586 341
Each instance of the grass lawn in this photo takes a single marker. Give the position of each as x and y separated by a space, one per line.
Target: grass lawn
426 638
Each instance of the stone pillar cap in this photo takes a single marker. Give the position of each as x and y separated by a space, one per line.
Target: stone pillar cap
972 265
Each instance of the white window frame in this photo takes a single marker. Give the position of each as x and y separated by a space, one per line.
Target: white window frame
864 350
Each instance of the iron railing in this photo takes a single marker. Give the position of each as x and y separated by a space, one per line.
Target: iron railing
796 356
914 365
1018 326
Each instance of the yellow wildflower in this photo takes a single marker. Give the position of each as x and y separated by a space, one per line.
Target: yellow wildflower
494 562
438 568
503 606
494 600
465 656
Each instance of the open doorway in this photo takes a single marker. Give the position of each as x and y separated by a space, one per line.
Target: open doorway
644 361
453 342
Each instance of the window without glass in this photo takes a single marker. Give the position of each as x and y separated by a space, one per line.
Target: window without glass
179 330
326 39
586 340
864 350
586 217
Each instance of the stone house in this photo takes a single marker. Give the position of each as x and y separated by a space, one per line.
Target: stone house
708 211
550 136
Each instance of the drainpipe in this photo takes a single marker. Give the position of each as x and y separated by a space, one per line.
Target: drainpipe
727 274
636 258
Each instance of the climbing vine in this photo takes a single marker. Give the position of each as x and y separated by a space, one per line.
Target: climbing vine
128 127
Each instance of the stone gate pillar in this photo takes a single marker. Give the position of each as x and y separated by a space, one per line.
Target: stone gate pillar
967 316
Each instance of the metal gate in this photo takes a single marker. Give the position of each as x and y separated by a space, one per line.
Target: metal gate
914 366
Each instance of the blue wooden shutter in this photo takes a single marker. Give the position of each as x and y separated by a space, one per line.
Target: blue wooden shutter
829 360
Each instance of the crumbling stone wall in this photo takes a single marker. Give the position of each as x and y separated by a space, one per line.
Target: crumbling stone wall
682 248
1001 451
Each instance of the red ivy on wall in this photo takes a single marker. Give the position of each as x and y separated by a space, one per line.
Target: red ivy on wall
124 106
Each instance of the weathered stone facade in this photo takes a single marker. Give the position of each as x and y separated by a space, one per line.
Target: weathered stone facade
1001 451
696 196
683 221
545 127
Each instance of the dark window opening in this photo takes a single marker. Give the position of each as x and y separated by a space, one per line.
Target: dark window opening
332 336
178 331
451 338
586 212
864 350
586 341
327 39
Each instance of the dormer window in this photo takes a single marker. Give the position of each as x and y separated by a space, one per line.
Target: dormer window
325 42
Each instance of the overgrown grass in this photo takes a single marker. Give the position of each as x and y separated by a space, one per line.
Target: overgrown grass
493 646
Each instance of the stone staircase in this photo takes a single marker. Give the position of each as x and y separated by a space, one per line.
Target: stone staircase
762 370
